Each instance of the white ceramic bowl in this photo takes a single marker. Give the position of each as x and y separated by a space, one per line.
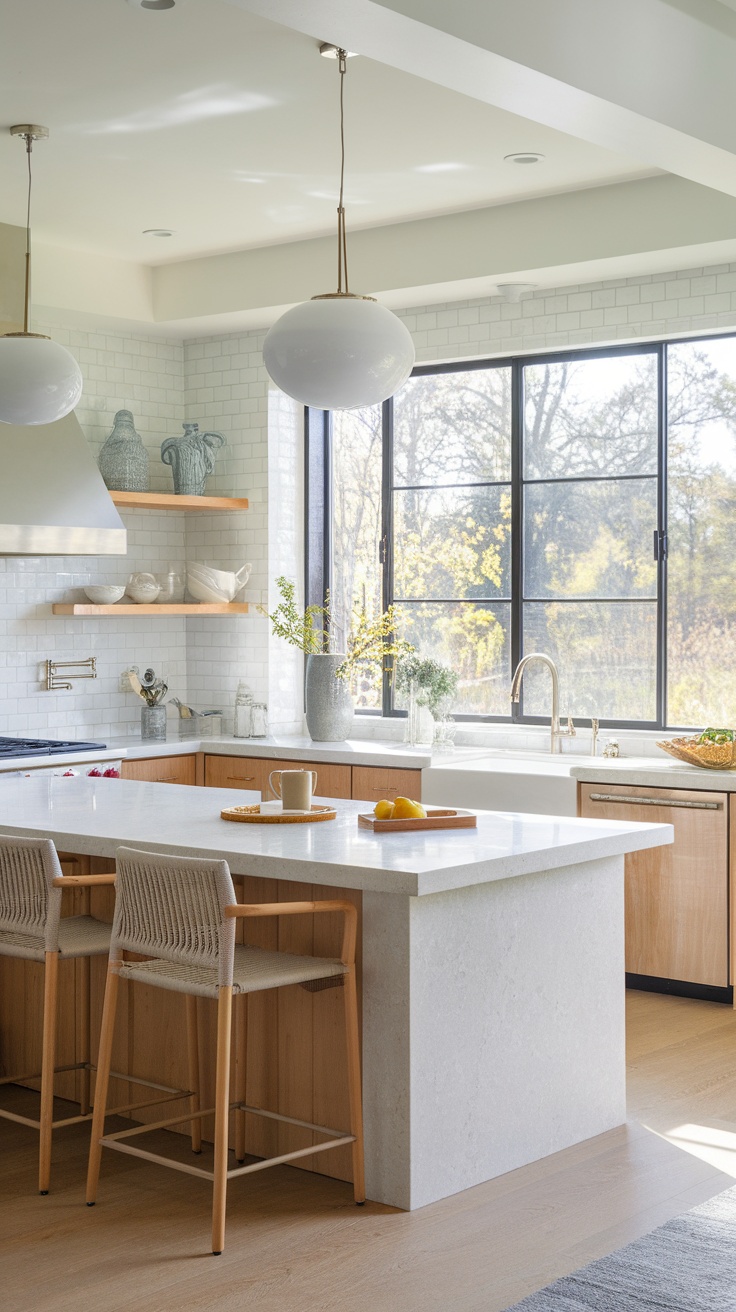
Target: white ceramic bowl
143 593
104 594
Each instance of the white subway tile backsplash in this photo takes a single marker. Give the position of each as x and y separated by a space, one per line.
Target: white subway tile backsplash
221 382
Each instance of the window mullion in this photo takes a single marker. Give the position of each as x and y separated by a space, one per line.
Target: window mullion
662 529
517 526
387 530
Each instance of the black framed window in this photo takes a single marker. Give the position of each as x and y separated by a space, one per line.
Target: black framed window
527 504
590 596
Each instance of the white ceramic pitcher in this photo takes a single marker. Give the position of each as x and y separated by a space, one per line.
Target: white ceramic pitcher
208 584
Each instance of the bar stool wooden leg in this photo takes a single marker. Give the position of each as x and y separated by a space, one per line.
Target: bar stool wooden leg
193 1052
84 1019
84 1035
241 1049
48 1058
103 1079
354 1084
222 1105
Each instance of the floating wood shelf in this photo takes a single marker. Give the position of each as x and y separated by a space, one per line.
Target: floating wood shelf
170 501
120 608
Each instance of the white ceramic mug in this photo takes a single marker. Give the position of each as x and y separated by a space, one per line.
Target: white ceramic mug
294 787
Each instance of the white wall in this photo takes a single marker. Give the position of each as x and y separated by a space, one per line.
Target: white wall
221 383
146 376
690 301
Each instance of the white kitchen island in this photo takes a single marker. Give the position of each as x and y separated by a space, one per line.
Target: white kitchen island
493 968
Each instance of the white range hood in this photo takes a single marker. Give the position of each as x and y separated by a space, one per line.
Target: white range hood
53 501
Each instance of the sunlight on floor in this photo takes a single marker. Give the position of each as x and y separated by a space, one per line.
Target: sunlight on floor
714 1144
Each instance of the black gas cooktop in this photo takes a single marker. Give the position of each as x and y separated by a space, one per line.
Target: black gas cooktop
44 747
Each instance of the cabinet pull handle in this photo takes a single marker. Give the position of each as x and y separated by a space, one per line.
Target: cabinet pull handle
241 778
655 801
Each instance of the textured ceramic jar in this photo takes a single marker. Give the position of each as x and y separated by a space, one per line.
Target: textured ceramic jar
192 459
329 704
123 459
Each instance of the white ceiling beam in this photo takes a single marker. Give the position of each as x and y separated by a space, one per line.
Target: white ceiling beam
649 79
624 221
646 226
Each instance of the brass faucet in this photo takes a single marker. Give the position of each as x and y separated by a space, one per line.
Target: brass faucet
556 733
595 728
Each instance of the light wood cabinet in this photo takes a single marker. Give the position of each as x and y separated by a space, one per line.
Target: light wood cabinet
366 783
371 783
676 896
253 772
161 769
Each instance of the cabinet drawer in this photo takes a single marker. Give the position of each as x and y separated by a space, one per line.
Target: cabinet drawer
676 896
236 772
253 772
370 783
161 769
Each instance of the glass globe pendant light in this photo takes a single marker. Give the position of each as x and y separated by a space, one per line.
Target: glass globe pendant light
339 350
39 380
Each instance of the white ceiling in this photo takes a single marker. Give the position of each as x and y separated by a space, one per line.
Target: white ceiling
223 126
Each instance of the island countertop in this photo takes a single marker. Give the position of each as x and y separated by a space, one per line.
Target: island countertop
94 816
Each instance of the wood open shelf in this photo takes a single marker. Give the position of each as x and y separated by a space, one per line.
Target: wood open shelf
121 608
170 501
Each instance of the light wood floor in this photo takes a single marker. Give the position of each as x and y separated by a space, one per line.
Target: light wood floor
295 1242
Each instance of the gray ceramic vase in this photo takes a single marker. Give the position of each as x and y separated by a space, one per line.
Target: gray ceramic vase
329 704
192 459
123 459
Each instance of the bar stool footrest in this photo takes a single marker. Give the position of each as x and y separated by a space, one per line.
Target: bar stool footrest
340 1139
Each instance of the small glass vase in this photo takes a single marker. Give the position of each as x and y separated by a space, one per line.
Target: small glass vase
243 714
420 721
153 723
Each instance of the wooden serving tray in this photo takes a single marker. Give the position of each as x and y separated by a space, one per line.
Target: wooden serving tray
251 815
435 819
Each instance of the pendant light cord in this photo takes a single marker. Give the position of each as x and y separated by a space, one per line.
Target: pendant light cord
29 148
342 246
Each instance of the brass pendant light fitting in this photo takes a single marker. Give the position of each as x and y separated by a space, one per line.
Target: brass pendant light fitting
342 57
30 132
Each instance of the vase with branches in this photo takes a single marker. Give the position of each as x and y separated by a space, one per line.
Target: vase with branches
371 639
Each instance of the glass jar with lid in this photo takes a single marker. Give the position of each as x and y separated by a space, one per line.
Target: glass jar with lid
242 720
259 720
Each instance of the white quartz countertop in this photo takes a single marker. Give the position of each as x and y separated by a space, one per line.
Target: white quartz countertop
650 772
59 759
94 816
286 748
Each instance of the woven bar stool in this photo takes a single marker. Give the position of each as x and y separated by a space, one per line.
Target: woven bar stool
32 928
180 913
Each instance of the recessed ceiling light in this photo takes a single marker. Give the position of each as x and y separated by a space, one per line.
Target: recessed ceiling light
152 4
158 232
328 51
524 157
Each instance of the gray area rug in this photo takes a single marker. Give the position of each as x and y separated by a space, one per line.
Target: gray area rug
687 1265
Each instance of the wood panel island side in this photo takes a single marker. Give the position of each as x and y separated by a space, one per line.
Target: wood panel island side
492 976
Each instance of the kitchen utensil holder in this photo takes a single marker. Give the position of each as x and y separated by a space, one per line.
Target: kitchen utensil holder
153 723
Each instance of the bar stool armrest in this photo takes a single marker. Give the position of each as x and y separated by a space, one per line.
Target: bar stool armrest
347 952
83 881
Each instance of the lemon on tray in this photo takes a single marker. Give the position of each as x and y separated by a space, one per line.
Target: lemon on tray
406 809
402 809
384 810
